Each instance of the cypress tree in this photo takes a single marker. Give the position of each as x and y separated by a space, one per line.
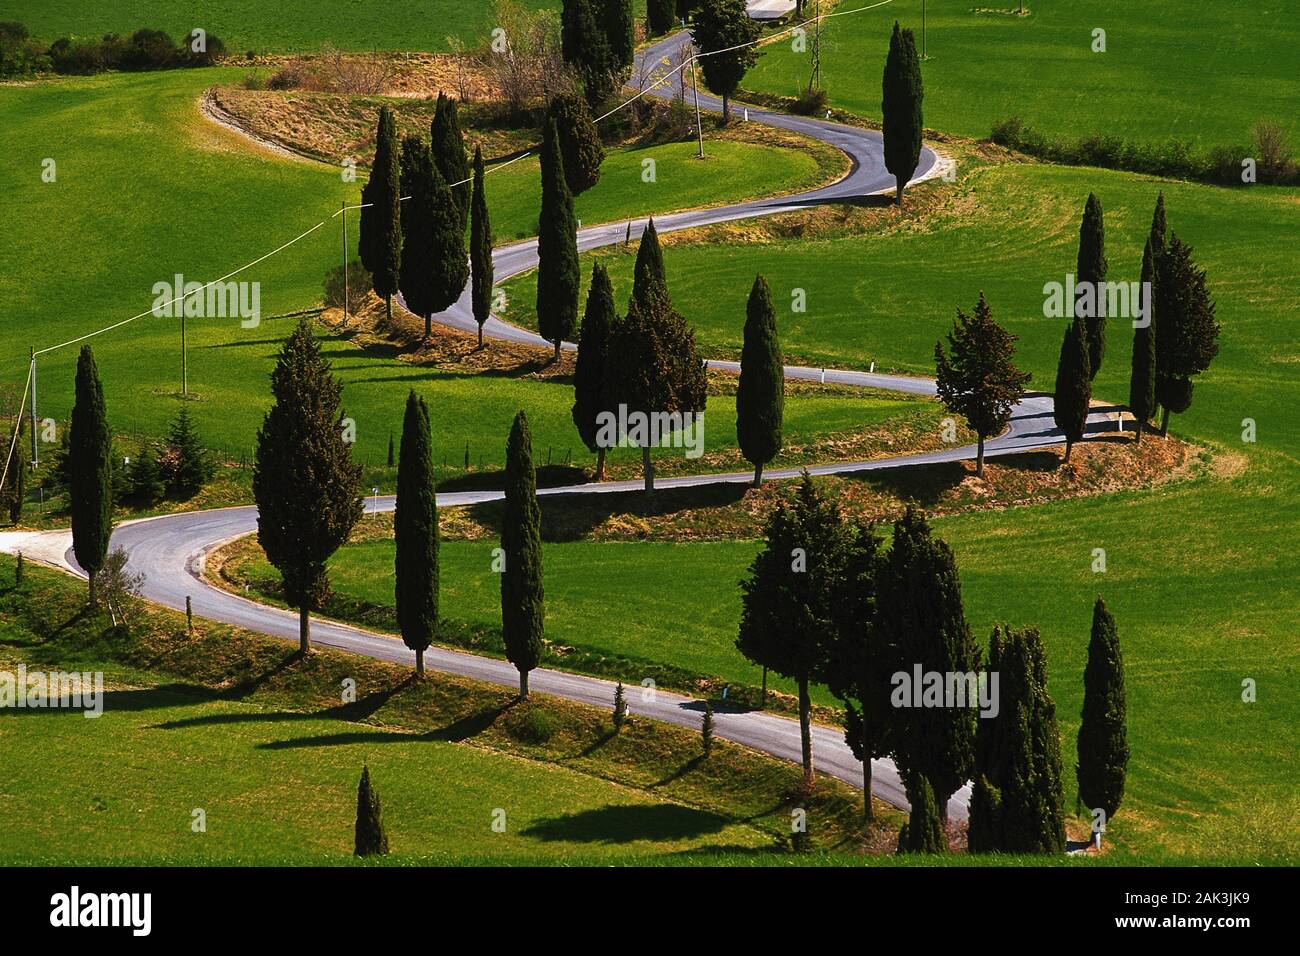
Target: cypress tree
920 620
1187 337
584 46
1073 395
1103 742
147 485
923 831
616 20
589 386
1091 273
480 249
90 471
194 467
723 33
706 730
380 244
434 264
1017 804
522 594
580 144
978 379
900 108
1142 377
660 16
1159 227
448 145
305 484
788 613
15 490
415 530
649 281
760 395
558 276
371 839
620 707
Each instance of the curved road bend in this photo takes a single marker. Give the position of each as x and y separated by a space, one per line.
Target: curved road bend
170 550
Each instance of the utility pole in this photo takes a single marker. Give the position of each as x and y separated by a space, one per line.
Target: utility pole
36 458
699 130
185 363
343 206
816 82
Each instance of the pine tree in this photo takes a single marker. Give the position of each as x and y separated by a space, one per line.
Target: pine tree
901 113
788 613
305 484
448 147
15 489
760 395
979 381
194 467
923 831
1091 274
1103 743
371 840
1073 395
1187 336
558 276
660 16
380 244
706 730
617 22
415 531
580 144
620 707
434 264
1017 806
725 36
90 471
649 281
522 594
147 484
1142 377
920 621
589 387
480 250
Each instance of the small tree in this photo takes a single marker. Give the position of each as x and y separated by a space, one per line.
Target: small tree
15 487
726 38
1142 376
448 147
979 381
923 831
1187 340
589 386
900 108
480 250
305 484
522 594
371 839
760 395
558 277
788 612
580 144
1091 274
90 471
119 586
147 484
434 265
1073 395
194 467
1103 738
706 730
649 280
380 244
620 707
415 531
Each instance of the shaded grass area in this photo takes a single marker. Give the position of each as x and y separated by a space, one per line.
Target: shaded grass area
239 725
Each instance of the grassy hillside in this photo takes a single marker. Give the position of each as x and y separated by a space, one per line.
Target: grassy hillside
1202 71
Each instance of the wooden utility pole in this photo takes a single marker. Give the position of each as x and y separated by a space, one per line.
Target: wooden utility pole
36 458
699 129
343 208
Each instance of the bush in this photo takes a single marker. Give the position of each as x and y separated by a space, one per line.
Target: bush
533 725
19 55
359 283
291 76
76 58
150 50
811 102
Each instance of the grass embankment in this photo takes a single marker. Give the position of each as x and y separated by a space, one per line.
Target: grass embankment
237 725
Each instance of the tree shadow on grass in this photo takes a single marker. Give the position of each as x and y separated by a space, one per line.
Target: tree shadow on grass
628 823
927 485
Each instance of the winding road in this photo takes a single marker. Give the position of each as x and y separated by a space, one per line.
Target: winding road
170 550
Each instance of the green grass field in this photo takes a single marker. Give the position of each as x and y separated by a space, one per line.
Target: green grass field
1205 72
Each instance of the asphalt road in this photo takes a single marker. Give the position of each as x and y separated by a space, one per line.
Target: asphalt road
170 550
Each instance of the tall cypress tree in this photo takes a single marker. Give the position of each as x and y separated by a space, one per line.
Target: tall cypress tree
724 34
558 276
90 471
305 483
1073 393
580 144
480 249
1017 803
15 489
1159 227
1187 332
1091 274
415 530
522 596
434 265
380 243
585 47
1142 375
660 16
901 112
921 620
649 282
760 395
1103 742
448 145
923 831
589 388
616 19
370 837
